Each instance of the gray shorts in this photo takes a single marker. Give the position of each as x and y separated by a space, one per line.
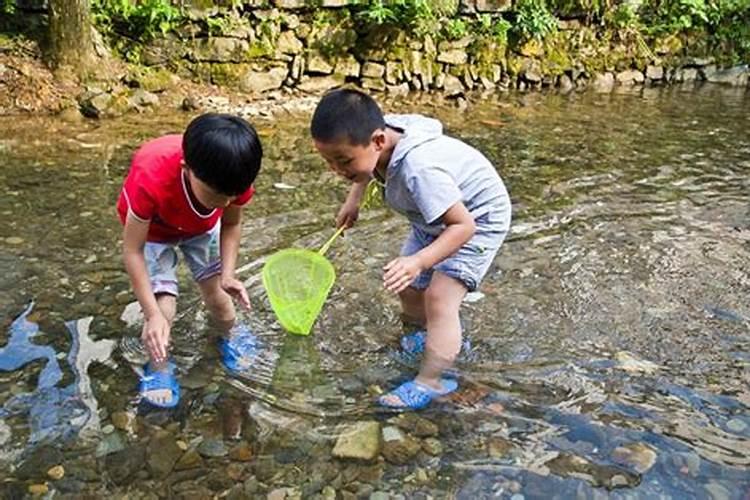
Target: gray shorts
201 254
469 265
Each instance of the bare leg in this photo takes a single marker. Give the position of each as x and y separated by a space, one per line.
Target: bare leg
219 303
168 306
442 303
412 305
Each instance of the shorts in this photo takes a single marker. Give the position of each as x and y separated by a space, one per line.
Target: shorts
201 253
472 261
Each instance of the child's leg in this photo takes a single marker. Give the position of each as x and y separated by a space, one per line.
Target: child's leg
442 301
218 302
161 262
168 305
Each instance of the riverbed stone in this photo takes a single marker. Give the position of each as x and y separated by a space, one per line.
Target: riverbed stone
654 72
603 82
163 453
451 85
639 456
191 459
241 453
124 464
39 461
736 425
415 424
399 448
360 440
213 448
737 76
629 77
630 363
56 473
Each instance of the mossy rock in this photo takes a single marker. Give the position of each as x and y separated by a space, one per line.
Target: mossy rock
157 80
229 75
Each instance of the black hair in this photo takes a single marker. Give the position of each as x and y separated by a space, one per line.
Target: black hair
223 151
346 113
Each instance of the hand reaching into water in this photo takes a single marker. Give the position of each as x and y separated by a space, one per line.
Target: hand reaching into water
401 272
236 290
155 337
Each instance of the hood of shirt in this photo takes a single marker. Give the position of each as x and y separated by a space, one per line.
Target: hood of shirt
417 129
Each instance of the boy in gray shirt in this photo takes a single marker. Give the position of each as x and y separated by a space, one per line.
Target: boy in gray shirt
459 211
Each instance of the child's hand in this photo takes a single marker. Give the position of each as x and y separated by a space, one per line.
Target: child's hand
236 290
155 337
401 272
348 215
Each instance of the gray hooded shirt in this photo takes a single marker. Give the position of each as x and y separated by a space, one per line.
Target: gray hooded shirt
429 172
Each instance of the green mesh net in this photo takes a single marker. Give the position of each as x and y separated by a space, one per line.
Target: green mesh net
297 282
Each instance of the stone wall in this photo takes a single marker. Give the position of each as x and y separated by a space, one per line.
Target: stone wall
317 44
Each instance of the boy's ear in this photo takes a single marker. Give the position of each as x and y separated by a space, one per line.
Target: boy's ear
378 139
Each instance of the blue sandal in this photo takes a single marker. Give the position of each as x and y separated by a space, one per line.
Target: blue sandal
156 380
239 351
413 344
415 396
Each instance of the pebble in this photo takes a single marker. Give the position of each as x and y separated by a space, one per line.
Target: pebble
13 240
38 489
181 445
121 420
736 425
517 496
108 429
56 473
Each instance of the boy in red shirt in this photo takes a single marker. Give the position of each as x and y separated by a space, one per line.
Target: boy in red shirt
187 192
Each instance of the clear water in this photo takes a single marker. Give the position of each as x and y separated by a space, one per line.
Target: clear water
617 315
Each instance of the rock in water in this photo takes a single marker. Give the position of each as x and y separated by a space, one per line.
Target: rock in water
360 440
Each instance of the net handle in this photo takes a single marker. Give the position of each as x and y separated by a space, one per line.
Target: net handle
330 241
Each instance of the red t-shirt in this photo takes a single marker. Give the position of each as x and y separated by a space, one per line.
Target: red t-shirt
155 191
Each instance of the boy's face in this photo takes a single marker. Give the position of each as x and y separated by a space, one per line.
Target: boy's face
352 161
206 195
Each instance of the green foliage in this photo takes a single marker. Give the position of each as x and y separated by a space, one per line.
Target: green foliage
497 29
456 28
8 7
419 16
589 9
622 17
534 20
142 20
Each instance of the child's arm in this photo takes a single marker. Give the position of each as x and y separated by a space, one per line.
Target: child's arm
156 327
460 227
349 211
231 230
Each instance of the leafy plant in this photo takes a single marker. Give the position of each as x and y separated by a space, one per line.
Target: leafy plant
419 16
456 28
8 7
534 20
142 21
497 28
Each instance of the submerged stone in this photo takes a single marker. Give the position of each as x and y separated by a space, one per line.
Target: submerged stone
639 456
360 440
